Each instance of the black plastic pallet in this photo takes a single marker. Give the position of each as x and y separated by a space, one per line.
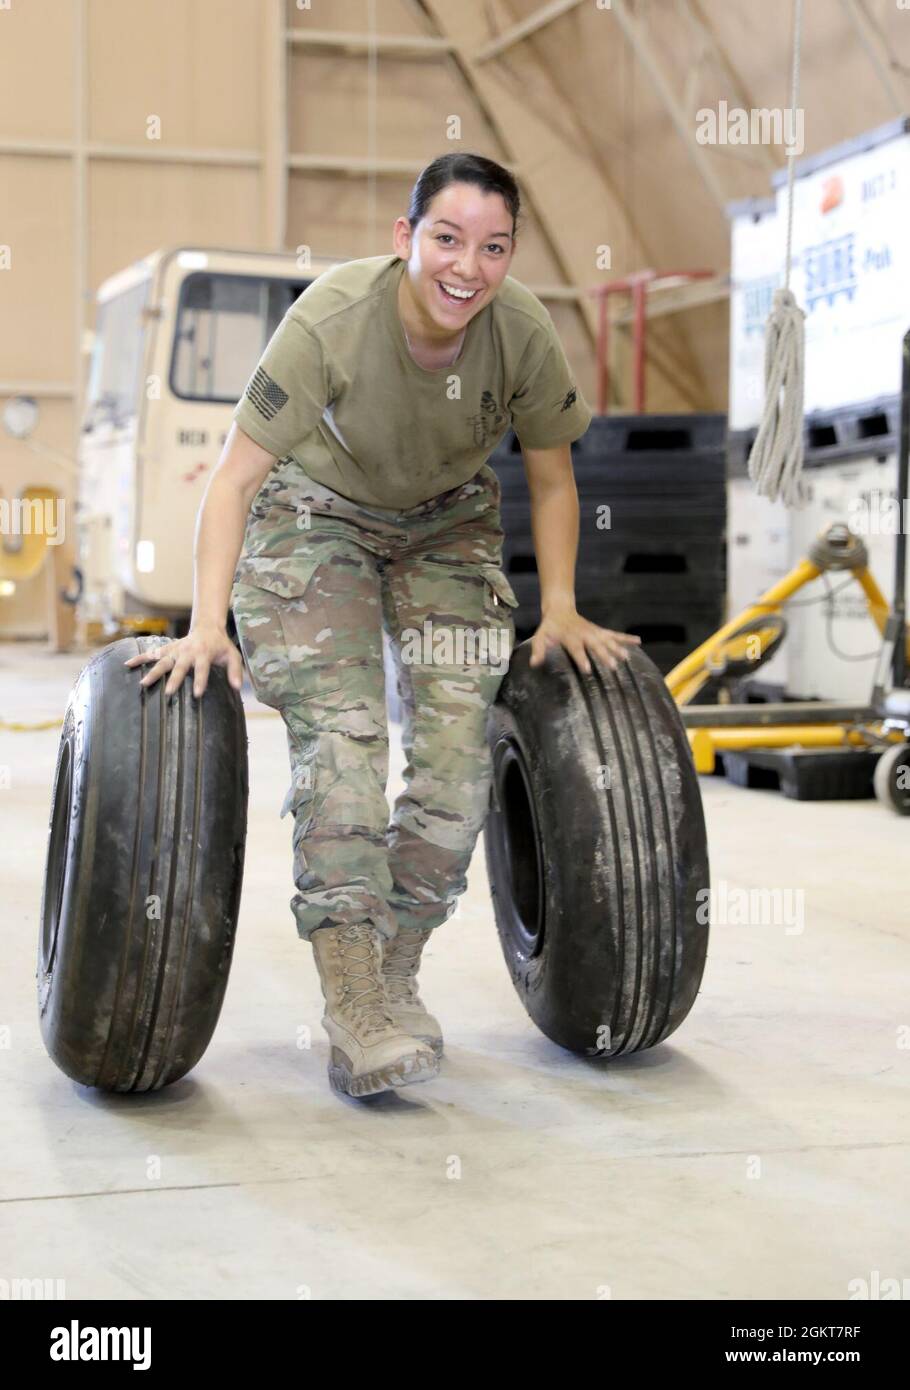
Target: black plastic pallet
658 568
667 635
655 591
631 473
634 515
850 431
628 434
634 471
804 774
620 435
614 556
648 594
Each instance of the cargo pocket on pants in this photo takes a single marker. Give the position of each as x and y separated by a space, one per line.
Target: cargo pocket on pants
503 593
500 601
282 615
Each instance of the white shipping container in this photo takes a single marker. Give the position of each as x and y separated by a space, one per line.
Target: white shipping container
851 267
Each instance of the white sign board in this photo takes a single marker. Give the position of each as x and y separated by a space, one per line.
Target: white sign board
851 271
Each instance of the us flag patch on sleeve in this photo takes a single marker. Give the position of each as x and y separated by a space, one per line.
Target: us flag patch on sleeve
265 394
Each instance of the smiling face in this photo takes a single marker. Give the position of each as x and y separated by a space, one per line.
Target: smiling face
463 243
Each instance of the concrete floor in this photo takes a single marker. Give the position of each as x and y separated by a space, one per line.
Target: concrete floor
761 1153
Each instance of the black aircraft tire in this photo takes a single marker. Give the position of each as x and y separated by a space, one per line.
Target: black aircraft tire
596 851
143 873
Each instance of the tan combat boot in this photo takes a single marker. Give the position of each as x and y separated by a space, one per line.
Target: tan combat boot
400 963
369 1051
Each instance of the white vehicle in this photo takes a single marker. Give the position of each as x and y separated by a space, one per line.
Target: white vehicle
178 335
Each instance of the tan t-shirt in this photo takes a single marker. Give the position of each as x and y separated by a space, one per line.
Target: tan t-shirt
338 394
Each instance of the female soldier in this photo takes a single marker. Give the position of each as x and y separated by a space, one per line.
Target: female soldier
353 488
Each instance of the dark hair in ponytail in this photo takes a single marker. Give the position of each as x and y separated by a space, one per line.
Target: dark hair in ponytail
463 168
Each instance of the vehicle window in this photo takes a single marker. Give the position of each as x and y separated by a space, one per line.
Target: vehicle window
223 325
116 361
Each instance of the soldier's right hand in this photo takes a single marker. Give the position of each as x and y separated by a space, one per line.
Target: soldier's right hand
205 645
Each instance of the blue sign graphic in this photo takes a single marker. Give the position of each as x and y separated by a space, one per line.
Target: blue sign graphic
830 270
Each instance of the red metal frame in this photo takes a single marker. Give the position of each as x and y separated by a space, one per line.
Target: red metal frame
637 285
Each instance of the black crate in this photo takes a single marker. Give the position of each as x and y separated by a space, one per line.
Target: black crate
669 556
651 592
689 591
664 513
652 529
630 473
668 634
667 434
633 509
664 509
850 431
805 774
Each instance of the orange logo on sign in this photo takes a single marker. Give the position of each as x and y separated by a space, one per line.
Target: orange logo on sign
832 193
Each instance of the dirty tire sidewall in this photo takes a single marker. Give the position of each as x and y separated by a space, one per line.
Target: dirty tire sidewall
143 873
608 957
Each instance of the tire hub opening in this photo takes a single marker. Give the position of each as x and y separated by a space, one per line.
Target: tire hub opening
516 829
57 857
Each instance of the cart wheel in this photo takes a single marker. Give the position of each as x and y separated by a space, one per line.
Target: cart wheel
892 779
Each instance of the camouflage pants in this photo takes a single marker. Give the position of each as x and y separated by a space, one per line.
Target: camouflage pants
318 577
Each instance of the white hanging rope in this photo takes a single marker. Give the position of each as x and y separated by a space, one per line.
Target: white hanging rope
776 459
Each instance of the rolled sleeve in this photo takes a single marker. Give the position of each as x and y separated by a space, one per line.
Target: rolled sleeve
284 399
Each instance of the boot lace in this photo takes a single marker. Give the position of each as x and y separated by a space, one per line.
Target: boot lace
362 987
400 965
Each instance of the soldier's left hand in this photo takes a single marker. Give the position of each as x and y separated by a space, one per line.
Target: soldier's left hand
565 626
